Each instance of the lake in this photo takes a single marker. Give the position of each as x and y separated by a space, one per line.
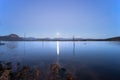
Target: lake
87 60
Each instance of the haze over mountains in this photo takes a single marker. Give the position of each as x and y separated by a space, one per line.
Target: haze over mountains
15 37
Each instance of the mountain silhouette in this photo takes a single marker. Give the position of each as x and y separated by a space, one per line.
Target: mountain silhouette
15 37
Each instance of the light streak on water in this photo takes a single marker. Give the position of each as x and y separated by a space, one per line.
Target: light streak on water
58 50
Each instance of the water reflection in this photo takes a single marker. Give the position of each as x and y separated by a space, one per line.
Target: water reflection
24 51
58 48
115 43
58 51
12 44
92 60
42 43
73 48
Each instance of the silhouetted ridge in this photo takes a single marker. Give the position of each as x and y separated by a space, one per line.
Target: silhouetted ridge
15 37
114 39
11 37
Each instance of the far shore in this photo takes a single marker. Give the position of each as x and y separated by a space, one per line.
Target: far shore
62 40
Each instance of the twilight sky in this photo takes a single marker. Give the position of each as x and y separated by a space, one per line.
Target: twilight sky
44 18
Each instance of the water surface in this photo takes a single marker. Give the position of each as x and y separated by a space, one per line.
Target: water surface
85 60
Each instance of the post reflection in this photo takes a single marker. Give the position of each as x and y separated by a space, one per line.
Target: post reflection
73 48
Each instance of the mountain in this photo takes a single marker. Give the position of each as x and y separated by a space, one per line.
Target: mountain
11 37
15 37
29 39
114 39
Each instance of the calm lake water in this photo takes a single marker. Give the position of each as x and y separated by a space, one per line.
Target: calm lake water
85 60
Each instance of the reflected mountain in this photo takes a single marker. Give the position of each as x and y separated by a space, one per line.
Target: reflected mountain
12 45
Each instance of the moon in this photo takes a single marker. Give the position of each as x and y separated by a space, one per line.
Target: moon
58 33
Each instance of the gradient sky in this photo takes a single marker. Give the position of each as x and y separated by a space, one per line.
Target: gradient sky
44 18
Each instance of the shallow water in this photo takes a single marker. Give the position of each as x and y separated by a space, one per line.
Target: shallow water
85 60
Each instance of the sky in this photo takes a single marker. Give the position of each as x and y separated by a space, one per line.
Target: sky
46 18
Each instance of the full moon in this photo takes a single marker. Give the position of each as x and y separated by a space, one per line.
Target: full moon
58 33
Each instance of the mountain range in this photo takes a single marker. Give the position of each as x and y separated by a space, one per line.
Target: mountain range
15 37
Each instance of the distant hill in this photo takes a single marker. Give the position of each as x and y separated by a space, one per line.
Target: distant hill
11 37
15 37
114 39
